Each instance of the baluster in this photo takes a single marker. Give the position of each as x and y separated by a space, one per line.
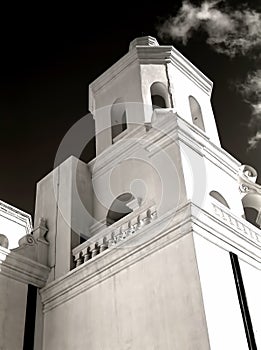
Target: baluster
140 223
117 235
95 250
78 259
149 216
124 230
111 241
154 214
103 245
130 230
86 254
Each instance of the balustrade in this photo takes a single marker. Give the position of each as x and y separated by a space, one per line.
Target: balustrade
112 235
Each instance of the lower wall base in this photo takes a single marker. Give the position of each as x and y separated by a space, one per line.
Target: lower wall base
155 303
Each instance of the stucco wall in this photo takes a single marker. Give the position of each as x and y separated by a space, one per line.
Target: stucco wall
13 298
225 324
252 282
153 304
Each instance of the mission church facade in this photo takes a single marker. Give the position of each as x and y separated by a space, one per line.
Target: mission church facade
155 243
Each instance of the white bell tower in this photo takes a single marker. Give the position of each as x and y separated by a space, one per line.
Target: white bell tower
172 259
157 104
150 74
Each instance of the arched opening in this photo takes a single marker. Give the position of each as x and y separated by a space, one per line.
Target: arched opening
159 95
219 198
252 208
196 113
118 118
251 215
119 208
158 101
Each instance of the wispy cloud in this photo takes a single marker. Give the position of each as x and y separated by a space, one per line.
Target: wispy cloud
251 92
254 141
228 32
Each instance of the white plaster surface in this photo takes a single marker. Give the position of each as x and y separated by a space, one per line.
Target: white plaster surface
65 201
13 297
153 304
252 282
224 320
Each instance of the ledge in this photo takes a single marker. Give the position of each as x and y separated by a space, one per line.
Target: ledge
22 269
154 55
172 226
127 252
16 215
166 131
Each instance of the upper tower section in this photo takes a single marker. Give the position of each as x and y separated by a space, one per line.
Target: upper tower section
149 76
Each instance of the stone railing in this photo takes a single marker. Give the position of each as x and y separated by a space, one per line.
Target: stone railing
113 234
245 228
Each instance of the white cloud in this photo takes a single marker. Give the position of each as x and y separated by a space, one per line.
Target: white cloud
229 32
251 91
254 141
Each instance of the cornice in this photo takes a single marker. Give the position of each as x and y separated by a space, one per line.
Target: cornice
154 55
169 130
195 139
117 258
187 219
170 55
22 269
17 214
225 229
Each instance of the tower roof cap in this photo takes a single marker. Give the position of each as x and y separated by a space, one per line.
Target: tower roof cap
143 41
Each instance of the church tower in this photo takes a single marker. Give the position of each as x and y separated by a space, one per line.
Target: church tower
156 243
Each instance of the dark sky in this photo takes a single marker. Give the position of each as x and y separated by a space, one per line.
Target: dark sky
49 55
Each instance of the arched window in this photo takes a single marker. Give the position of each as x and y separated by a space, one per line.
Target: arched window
219 198
196 113
119 208
159 95
118 118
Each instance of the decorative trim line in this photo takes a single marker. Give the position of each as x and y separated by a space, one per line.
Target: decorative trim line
22 269
117 258
172 130
173 225
243 227
18 214
154 55
112 235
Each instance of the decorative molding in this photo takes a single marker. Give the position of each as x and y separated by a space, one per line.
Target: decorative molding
17 214
247 180
162 133
20 268
151 238
242 227
35 246
112 235
154 55
187 219
143 41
